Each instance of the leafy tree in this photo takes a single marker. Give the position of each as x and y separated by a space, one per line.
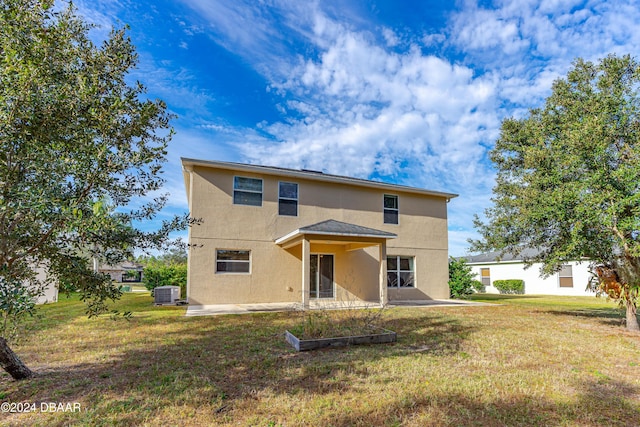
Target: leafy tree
569 176
460 278
174 256
79 146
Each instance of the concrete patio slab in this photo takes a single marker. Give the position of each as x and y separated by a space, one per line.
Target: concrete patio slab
217 309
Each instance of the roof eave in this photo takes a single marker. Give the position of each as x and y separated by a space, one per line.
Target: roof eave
188 162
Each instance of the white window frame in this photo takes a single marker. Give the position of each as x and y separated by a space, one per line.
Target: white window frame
233 261
398 270
242 190
487 277
563 275
333 274
390 210
288 198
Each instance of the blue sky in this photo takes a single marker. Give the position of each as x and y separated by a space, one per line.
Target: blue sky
409 92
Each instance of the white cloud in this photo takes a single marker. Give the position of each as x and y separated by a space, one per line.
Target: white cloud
390 37
367 109
434 39
247 28
481 29
556 31
173 83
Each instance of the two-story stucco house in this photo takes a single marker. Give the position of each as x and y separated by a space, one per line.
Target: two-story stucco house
271 234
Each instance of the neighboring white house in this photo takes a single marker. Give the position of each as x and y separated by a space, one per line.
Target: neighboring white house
126 271
571 280
50 291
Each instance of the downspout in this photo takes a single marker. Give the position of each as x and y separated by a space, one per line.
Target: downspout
189 170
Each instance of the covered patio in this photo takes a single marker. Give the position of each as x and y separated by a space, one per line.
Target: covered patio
336 256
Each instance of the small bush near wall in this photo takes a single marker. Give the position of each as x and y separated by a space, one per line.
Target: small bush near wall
478 286
511 286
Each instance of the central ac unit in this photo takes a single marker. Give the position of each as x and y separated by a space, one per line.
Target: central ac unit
166 294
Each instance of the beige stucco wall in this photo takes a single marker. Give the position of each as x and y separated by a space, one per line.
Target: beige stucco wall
276 272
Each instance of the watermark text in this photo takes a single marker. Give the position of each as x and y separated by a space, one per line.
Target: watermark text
23 407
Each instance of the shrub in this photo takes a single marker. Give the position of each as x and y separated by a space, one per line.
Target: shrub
511 286
166 275
460 278
477 286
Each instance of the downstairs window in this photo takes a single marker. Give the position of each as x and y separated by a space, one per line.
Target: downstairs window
400 272
233 261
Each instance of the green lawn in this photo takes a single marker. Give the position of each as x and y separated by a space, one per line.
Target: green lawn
527 360
133 286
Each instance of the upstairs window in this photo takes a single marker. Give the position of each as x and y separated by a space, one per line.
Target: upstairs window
390 207
247 191
288 199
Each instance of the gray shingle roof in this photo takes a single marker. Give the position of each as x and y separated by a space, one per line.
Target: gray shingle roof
494 256
125 265
332 227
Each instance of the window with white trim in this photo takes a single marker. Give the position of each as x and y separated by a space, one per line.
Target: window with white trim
288 199
233 261
390 206
485 276
565 276
400 272
247 191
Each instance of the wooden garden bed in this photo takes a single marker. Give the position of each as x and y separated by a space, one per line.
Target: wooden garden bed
385 336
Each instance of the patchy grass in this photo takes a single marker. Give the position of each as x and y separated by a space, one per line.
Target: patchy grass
524 361
545 300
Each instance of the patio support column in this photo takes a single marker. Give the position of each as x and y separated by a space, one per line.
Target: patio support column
306 272
383 274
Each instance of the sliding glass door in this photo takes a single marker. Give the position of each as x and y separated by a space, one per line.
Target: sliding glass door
321 276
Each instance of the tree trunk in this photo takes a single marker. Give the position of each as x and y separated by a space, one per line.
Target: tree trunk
11 363
632 318
626 271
